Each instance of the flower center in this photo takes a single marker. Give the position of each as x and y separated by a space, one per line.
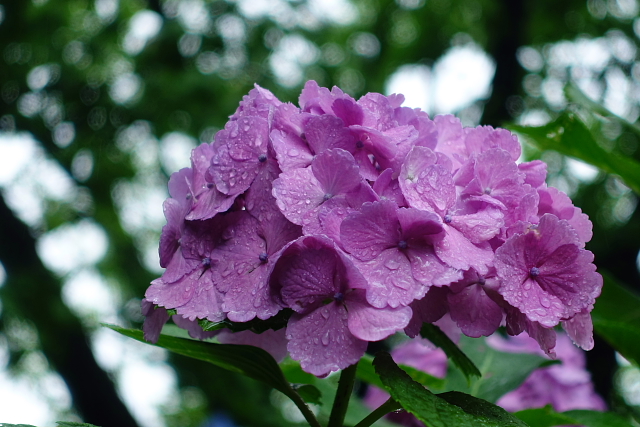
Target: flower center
359 144
402 244
263 257
262 158
447 219
206 262
534 272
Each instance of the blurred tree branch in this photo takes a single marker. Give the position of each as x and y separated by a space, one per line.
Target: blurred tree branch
32 292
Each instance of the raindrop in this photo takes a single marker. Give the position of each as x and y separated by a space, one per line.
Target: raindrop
325 338
392 264
293 152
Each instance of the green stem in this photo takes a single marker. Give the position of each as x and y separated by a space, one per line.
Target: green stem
341 402
384 409
304 408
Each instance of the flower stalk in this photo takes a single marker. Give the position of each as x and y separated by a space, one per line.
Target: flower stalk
343 394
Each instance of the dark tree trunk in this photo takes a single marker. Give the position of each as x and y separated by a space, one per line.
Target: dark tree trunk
32 292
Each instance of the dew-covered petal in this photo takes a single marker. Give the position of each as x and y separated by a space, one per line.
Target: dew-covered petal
336 171
390 280
580 329
309 271
348 110
497 179
426 186
258 199
419 226
374 324
545 274
375 228
458 252
206 303
480 226
556 202
321 340
291 151
326 132
429 270
297 192
176 294
474 312
258 102
484 138
386 187
238 150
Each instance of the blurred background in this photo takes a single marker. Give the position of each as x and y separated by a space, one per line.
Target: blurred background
103 99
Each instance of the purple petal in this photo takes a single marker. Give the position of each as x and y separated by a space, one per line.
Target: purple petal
580 329
326 132
429 309
273 342
367 233
239 147
336 171
297 192
474 312
291 151
154 320
390 279
374 324
321 340
457 251
193 327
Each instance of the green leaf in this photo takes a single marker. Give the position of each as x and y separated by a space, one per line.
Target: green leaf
501 372
250 361
449 409
256 325
616 318
309 393
294 373
15 425
453 352
547 417
74 424
574 94
367 373
569 136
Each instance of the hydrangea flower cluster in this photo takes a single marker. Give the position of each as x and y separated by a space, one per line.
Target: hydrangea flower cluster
365 218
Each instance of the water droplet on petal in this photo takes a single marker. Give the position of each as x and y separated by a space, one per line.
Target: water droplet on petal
325 338
293 152
392 264
545 302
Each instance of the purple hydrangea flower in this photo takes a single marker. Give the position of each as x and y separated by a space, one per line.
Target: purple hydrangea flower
394 251
546 274
565 387
333 320
384 218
